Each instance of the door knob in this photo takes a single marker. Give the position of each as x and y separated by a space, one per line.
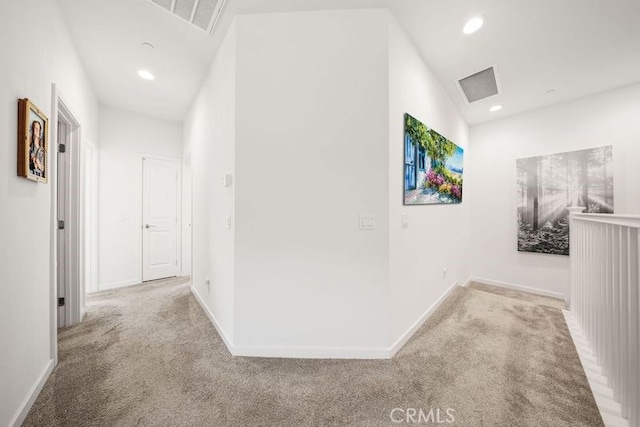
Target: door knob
149 226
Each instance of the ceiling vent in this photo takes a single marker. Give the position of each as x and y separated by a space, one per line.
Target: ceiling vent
480 85
203 14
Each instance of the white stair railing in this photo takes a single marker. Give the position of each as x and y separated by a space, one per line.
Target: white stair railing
604 310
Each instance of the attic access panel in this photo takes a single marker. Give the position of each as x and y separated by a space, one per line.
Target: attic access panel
203 14
480 85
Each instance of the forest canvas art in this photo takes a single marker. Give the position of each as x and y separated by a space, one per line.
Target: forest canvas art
547 185
433 166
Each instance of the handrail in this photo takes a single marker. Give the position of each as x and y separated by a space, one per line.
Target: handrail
614 219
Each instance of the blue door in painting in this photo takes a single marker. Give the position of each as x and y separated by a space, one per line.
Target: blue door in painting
409 164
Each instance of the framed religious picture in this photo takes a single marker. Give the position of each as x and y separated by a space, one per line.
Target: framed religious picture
33 142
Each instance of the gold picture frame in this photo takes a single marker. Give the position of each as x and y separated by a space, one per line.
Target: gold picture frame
33 142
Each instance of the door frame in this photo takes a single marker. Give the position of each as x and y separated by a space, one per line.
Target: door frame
90 171
187 202
178 161
74 223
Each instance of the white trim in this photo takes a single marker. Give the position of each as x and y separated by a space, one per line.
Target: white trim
404 338
632 221
74 221
610 410
213 320
53 227
33 393
368 353
75 285
288 351
606 216
187 188
116 285
467 282
520 288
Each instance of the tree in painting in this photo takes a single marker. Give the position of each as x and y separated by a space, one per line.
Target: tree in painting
547 185
433 166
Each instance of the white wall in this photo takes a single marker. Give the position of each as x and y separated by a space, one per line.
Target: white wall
125 137
437 235
610 118
209 141
36 51
311 156
312 129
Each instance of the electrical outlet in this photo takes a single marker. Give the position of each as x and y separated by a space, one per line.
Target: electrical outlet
227 223
208 284
444 272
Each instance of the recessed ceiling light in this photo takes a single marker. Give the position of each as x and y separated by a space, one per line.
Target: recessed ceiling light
473 25
146 75
495 108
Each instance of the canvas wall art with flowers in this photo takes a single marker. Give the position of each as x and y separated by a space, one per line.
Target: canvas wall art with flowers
433 166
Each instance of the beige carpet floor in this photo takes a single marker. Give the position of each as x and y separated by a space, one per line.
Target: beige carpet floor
148 356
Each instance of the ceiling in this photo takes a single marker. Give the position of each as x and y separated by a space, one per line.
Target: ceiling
573 47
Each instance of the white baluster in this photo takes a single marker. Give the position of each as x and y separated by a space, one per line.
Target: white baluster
624 321
608 310
634 329
604 301
615 304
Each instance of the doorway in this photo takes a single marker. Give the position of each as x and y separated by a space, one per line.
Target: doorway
64 136
69 256
160 218
66 293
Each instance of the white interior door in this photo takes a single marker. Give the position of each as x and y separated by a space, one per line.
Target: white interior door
160 218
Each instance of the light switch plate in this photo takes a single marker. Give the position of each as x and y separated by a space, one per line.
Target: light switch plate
367 222
227 180
227 222
404 220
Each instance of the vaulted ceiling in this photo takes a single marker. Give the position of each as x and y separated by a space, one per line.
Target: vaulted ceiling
545 51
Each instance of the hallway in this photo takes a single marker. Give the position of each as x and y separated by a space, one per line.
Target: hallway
148 355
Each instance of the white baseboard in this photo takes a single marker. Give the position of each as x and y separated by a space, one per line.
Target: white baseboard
213 320
33 393
322 352
290 351
467 282
312 352
395 348
514 287
115 285
610 409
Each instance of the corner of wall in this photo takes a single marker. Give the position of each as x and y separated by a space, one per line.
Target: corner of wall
435 237
32 395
